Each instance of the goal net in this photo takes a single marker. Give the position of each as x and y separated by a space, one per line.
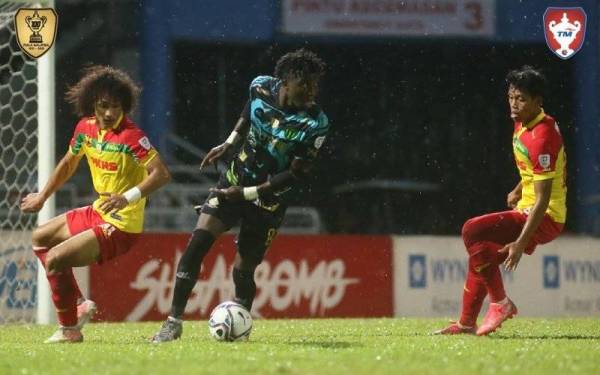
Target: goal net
18 172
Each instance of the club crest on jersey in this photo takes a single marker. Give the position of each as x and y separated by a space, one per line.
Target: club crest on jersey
319 142
145 143
564 29
544 160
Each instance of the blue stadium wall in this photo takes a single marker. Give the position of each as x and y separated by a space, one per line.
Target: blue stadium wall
242 21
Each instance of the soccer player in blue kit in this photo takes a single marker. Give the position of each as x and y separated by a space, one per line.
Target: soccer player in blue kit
275 142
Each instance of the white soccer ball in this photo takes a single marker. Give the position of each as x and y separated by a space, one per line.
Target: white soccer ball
230 321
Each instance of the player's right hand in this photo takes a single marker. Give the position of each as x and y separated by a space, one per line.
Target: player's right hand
33 202
513 198
215 154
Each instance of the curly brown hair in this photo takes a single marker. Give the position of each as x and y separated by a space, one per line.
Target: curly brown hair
100 80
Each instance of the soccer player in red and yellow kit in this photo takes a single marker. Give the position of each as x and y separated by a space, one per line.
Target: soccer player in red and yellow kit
125 168
538 202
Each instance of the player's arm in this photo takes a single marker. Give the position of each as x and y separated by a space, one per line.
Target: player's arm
513 198
543 189
158 175
34 202
299 170
233 141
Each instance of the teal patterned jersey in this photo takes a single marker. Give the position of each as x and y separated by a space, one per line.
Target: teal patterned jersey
276 137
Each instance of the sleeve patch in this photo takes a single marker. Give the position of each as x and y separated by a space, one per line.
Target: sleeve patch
319 142
545 161
145 143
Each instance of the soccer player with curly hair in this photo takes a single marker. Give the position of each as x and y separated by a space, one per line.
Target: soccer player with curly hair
538 205
125 168
275 142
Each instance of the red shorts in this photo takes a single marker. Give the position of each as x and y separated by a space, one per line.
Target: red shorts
113 241
505 227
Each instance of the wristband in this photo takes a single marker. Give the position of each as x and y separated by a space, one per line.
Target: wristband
232 137
133 195
250 193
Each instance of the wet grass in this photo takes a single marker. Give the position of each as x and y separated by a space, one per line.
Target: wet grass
315 346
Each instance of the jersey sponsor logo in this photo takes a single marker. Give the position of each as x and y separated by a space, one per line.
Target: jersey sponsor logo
105 165
544 160
564 29
145 143
319 142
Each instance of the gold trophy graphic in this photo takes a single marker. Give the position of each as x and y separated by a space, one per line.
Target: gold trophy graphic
36 24
36 30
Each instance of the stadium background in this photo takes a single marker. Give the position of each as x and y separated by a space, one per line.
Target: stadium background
420 142
428 113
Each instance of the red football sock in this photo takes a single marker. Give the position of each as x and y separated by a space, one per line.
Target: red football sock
64 295
65 291
494 283
473 296
490 272
40 253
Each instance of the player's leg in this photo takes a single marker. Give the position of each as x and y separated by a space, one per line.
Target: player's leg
484 236
259 228
214 219
474 292
50 234
501 307
80 250
201 240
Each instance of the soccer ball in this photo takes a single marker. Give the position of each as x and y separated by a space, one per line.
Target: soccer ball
230 321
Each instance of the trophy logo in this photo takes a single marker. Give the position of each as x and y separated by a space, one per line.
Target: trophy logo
564 29
36 30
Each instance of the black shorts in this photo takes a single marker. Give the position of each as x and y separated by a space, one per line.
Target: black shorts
258 225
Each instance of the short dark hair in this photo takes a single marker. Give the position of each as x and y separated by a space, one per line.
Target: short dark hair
527 79
301 64
101 80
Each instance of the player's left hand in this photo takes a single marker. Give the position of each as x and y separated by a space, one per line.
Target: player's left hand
231 194
515 252
113 203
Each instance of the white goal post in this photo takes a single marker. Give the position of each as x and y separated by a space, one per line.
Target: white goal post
27 144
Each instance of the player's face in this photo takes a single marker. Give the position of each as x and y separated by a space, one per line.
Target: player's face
523 107
108 111
301 92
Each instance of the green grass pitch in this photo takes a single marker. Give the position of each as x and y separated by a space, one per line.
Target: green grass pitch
313 346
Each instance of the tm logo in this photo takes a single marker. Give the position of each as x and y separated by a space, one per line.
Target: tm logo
417 271
551 272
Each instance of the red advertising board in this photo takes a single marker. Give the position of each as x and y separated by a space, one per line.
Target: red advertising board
301 276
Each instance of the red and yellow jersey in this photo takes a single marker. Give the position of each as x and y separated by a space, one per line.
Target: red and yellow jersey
540 155
117 158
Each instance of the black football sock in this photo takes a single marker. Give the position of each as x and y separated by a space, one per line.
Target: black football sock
188 269
245 287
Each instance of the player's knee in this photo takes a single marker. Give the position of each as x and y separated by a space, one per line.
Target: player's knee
467 231
40 237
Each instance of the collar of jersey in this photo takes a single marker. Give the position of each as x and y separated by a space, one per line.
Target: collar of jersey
536 120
